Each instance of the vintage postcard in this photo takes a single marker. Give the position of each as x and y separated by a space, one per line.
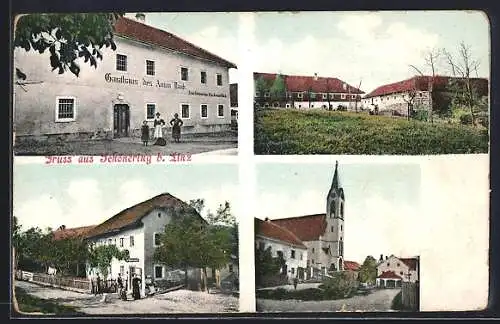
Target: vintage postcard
380 82
367 237
133 83
103 240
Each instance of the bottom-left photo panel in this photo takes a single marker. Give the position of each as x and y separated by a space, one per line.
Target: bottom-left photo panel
93 240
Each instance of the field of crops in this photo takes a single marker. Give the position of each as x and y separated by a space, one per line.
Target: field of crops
279 131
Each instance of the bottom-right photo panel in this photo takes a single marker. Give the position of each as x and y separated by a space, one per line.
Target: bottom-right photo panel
334 237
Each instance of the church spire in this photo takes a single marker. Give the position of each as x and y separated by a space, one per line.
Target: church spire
336 179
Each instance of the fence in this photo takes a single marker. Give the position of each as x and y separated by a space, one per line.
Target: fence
78 284
410 296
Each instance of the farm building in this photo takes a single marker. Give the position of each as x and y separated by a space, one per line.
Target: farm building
305 92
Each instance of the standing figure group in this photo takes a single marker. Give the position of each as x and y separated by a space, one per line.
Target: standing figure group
158 124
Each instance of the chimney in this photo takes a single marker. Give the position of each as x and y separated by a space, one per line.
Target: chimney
266 219
315 76
140 16
381 257
386 257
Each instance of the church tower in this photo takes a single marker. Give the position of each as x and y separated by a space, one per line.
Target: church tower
335 221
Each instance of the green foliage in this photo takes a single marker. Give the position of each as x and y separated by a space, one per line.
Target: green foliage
34 248
342 285
278 89
368 270
330 132
101 256
266 264
397 303
420 114
261 86
189 242
67 37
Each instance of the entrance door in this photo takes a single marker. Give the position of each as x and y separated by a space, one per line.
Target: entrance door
121 120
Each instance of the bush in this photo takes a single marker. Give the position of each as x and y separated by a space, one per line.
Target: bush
330 132
342 285
397 303
421 115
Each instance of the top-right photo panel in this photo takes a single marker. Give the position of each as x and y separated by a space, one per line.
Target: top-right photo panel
385 83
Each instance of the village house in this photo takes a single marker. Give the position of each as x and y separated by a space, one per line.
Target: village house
137 229
396 98
308 92
321 234
392 271
151 71
282 243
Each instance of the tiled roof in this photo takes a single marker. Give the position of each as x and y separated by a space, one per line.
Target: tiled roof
421 83
136 30
297 83
135 213
307 228
389 275
270 230
64 233
351 265
410 262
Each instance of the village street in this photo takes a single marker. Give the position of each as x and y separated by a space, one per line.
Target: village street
179 301
377 301
131 146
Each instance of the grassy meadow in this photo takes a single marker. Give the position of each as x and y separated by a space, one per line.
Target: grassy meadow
280 131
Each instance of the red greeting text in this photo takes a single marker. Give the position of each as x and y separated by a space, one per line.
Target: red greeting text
57 159
180 157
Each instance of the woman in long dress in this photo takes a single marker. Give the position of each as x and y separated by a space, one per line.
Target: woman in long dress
158 123
176 123
136 293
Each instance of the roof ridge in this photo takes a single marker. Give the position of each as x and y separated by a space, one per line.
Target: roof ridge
285 230
182 39
297 217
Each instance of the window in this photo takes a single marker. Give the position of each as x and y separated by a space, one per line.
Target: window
219 79
122 269
185 113
220 111
301 256
184 74
204 111
203 77
397 264
292 270
325 95
158 272
150 111
257 94
341 227
388 264
312 261
131 240
230 266
121 62
342 96
331 228
159 215
332 95
312 95
150 67
312 105
121 241
65 109
354 96
157 239
267 94
292 254
262 246
299 95
110 241
313 250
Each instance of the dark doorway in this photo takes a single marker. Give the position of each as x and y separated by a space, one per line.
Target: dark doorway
121 120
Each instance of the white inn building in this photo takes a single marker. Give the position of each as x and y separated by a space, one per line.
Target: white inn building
150 71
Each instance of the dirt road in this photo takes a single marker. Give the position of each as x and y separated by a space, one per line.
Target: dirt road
377 301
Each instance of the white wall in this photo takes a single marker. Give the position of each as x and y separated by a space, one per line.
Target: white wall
300 259
34 111
399 268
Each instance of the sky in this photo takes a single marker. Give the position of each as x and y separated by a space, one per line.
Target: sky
367 47
76 195
382 202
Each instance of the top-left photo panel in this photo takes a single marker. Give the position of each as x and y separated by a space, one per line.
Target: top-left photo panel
125 83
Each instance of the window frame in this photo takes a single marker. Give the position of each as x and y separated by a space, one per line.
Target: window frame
154 239
148 104
201 111
201 77
300 95
217 79
131 241
154 67
218 110
342 96
122 241
162 271
187 73
189 110
126 62
65 120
